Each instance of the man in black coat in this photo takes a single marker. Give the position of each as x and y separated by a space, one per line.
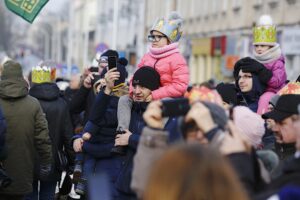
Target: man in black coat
60 132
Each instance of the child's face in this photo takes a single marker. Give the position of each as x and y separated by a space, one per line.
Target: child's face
260 49
160 40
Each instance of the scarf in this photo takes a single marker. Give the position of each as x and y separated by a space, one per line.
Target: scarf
165 51
270 55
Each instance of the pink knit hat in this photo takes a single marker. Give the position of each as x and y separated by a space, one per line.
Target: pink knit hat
250 124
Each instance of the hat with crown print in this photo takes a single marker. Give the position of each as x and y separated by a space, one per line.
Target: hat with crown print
170 27
264 33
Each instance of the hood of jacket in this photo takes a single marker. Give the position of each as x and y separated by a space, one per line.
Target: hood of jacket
45 91
250 99
13 88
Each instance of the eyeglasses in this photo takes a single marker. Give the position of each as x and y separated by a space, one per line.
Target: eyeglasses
244 77
155 38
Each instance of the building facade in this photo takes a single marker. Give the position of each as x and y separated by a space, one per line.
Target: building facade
218 33
93 29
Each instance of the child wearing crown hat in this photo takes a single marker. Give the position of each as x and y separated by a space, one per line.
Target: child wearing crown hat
165 58
267 51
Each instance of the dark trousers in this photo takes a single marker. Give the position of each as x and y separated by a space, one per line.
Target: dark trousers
11 197
45 192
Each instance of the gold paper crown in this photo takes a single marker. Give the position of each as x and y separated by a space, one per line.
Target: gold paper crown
41 74
265 35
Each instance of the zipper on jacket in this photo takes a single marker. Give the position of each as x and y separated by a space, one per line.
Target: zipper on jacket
154 66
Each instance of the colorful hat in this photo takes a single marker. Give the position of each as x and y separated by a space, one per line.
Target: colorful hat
265 32
290 88
204 94
170 27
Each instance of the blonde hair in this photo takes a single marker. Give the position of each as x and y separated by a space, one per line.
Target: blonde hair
193 172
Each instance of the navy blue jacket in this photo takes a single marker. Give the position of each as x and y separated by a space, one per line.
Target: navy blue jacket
2 136
102 125
136 126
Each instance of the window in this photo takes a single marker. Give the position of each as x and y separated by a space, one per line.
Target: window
224 6
291 1
273 3
257 4
236 5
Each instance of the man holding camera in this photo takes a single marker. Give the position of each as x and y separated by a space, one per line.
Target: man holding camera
84 98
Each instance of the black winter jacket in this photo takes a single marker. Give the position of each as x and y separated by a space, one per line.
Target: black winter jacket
82 101
59 123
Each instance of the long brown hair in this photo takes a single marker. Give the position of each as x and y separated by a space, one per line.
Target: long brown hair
193 172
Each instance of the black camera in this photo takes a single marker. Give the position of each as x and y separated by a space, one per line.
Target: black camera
175 107
5 180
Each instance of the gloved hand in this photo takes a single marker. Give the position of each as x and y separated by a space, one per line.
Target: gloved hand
44 171
265 75
247 64
252 66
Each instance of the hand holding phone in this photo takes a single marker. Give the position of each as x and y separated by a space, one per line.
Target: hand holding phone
94 69
97 77
112 62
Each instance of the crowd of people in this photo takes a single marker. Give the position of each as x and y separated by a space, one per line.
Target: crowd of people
152 136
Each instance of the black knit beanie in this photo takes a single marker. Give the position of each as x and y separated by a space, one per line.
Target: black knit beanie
146 77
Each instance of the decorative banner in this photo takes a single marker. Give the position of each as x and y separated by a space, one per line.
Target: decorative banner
230 61
218 45
201 46
27 9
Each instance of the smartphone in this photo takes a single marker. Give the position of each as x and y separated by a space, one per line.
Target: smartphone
112 62
175 107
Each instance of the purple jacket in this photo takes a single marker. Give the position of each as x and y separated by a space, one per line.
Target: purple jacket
279 75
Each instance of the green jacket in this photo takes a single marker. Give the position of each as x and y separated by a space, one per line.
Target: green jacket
27 133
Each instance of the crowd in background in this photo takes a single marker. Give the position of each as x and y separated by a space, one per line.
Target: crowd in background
152 136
